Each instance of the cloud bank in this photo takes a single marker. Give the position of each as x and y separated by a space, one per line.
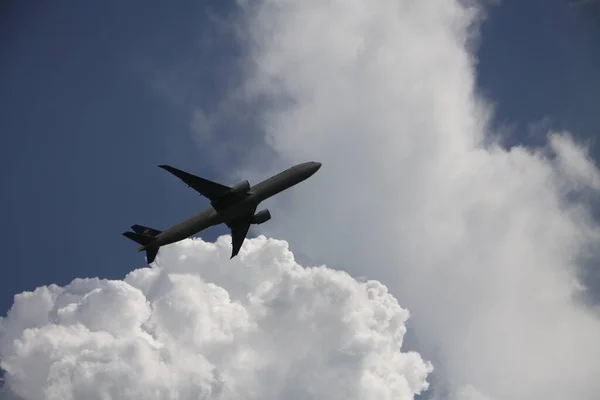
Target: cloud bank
482 244
198 326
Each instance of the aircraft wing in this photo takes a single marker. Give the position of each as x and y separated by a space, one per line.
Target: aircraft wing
239 230
209 189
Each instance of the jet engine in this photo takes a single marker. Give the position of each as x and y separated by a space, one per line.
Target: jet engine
261 217
240 188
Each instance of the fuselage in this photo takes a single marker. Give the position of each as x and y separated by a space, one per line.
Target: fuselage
258 193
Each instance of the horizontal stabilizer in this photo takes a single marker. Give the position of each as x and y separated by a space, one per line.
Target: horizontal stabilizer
144 230
145 241
151 254
138 238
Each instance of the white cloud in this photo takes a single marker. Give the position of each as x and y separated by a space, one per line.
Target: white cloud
198 325
482 244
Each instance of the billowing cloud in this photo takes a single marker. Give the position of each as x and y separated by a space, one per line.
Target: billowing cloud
482 244
199 326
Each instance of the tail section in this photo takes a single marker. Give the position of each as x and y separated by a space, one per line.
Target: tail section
144 236
151 254
144 230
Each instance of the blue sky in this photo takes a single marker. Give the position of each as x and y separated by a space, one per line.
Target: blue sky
539 61
85 124
86 118
95 95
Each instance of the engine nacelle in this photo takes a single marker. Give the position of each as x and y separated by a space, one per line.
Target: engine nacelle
240 188
261 217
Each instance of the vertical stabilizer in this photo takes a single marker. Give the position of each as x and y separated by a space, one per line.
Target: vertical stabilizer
146 242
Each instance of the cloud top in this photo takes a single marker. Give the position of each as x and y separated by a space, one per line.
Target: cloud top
197 325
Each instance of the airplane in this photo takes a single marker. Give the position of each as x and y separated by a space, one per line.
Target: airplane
234 206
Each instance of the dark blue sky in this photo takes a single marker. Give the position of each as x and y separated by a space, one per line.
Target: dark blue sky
84 120
84 124
540 60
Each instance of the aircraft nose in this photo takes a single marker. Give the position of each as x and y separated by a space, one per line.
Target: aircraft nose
313 167
310 167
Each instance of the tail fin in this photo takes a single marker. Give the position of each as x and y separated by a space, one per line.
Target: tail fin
144 230
139 238
144 240
151 254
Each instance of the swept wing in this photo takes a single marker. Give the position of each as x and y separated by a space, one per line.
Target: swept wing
209 189
239 231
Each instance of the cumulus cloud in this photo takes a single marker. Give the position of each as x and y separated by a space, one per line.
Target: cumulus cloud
482 244
199 326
